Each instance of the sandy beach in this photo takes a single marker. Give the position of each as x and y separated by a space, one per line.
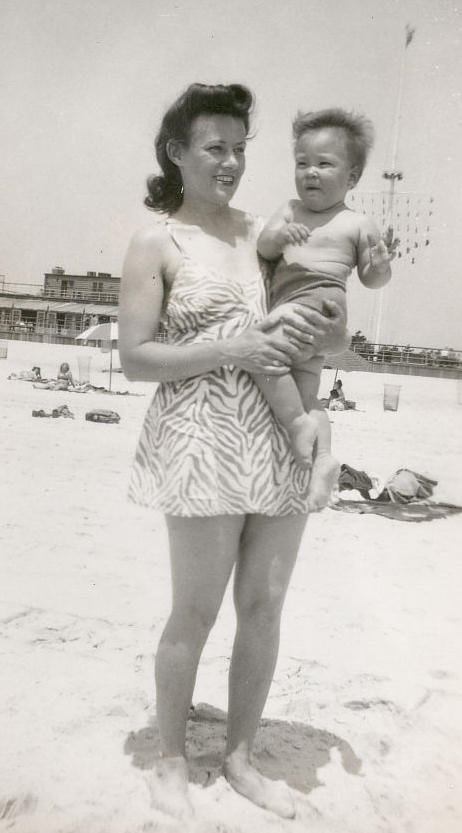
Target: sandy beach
364 714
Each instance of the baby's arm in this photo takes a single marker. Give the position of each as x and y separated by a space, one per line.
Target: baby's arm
279 231
374 255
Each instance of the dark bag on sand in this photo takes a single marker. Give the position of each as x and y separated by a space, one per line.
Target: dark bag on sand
101 415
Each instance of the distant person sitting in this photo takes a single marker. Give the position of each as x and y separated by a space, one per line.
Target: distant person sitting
65 375
337 401
337 397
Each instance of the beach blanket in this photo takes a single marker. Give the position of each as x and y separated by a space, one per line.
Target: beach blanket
64 384
85 387
416 512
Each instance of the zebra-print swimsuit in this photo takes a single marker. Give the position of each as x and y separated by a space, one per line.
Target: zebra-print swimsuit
210 445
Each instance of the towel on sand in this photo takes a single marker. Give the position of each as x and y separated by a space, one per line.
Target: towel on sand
417 512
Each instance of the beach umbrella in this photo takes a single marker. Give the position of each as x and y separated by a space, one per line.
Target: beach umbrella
347 361
102 332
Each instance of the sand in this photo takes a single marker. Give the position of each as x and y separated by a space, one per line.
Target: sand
363 717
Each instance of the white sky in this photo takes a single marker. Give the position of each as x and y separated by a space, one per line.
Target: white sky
85 83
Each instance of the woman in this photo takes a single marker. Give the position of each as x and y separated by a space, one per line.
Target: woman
210 455
337 397
64 377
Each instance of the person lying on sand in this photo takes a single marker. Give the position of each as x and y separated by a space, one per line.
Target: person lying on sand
53 384
33 375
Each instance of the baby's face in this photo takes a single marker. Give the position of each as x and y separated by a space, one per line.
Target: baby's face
323 169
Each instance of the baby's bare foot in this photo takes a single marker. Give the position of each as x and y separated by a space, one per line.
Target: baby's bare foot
324 476
302 433
271 795
168 787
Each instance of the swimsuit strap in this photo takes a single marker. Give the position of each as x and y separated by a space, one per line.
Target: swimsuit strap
168 224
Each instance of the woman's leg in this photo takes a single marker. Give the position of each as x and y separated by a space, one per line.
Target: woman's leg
202 552
267 555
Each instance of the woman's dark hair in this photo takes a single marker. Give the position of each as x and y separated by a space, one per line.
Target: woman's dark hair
165 191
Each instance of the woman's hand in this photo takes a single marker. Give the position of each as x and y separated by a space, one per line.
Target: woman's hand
260 352
310 330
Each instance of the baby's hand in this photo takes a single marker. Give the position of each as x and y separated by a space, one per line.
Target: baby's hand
381 251
293 233
391 242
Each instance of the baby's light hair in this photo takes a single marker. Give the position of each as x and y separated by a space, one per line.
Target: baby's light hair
358 129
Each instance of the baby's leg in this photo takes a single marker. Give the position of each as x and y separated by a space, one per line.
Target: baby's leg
325 471
285 401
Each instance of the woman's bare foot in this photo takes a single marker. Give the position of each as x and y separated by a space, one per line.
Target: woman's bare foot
302 433
324 476
168 786
271 795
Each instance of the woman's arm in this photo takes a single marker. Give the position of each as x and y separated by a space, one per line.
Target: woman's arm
140 306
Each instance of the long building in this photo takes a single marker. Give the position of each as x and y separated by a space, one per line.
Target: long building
63 306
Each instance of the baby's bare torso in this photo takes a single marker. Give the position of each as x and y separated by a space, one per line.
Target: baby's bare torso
332 245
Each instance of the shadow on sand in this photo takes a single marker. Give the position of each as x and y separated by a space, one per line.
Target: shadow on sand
291 751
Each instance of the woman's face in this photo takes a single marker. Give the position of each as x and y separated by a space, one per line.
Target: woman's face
213 162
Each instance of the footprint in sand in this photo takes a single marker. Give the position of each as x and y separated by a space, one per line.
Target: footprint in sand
10 808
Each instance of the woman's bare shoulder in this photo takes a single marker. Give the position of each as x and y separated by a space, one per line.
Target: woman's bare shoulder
150 251
151 236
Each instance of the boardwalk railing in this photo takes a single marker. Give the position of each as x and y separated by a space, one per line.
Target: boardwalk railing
379 355
57 335
409 356
32 290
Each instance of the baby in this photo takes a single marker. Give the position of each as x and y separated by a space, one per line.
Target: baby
317 242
